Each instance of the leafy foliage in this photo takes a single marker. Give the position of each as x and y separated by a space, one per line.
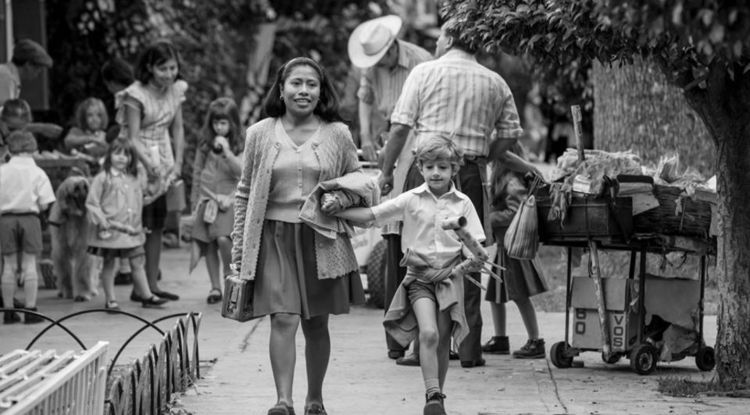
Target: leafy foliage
565 35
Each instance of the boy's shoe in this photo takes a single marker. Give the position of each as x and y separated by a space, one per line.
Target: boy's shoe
315 409
533 349
497 345
434 404
11 317
32 318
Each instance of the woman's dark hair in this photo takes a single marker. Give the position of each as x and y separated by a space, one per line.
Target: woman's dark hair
121 144
328 103
156 54
222 109
117 70
450 27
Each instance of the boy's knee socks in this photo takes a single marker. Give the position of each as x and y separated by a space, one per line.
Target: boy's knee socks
8 283
30 280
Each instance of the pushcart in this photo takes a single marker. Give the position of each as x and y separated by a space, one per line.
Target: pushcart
617 306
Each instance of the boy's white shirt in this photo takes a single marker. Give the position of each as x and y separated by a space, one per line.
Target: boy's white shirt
24 186
423 214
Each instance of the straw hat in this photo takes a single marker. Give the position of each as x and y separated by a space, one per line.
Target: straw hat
370 41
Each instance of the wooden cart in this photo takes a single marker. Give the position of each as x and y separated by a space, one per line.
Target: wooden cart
606 224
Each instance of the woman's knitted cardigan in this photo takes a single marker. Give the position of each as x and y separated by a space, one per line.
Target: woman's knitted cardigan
337 155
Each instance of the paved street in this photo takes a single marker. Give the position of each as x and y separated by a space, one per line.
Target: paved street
361 379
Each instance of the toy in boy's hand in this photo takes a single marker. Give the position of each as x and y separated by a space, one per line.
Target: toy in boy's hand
330 203
480 256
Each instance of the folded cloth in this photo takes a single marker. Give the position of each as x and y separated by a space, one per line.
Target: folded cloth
353 189
400 321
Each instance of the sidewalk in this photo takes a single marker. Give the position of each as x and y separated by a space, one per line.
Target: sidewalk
361 379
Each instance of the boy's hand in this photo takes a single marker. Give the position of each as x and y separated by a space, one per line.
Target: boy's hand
474 265
329 204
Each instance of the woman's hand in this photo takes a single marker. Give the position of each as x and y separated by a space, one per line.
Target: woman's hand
174 173
153 170
330 204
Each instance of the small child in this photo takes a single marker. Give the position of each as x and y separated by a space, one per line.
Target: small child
89 133
521 278
114 206
430 289
216 172
15 115
25 193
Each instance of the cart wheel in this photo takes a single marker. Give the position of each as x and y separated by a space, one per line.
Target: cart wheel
376 274
558 357
705 359
643 359
613 358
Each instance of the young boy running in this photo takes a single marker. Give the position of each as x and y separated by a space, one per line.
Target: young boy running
430 292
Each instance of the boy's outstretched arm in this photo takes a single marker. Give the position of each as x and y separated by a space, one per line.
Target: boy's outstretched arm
357 215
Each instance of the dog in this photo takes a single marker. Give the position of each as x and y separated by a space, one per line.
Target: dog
69 230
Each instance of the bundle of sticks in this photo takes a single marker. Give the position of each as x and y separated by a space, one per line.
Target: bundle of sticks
479 261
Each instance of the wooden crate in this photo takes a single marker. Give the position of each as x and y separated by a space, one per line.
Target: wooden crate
587 217
694 219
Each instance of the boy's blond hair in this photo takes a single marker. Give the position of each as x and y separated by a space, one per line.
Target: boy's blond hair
439 148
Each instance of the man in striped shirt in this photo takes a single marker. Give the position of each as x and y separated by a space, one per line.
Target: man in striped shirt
386 62
456 97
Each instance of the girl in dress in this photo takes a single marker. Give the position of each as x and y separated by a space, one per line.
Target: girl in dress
88 135
114 206
149 112
216 171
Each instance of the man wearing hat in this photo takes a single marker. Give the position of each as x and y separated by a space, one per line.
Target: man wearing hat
29 58
386 62
455 96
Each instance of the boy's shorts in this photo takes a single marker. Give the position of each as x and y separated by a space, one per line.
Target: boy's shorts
20 233
418 289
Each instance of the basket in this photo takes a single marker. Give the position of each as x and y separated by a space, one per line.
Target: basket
587 217
694 219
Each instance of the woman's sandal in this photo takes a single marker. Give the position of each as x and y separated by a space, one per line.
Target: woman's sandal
214 296
153 301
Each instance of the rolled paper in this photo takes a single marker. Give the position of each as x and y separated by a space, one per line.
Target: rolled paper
498 266
471 244
463 269
454 223
492 274
475 282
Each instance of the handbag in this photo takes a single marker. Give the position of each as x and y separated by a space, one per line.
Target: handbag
176 196
210 212
237 301
522 237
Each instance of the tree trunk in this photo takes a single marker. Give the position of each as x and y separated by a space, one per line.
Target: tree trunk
725 109
635 109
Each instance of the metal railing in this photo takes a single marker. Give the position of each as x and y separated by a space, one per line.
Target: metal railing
35 382
146 385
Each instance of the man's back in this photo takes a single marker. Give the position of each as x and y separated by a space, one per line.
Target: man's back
456 96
